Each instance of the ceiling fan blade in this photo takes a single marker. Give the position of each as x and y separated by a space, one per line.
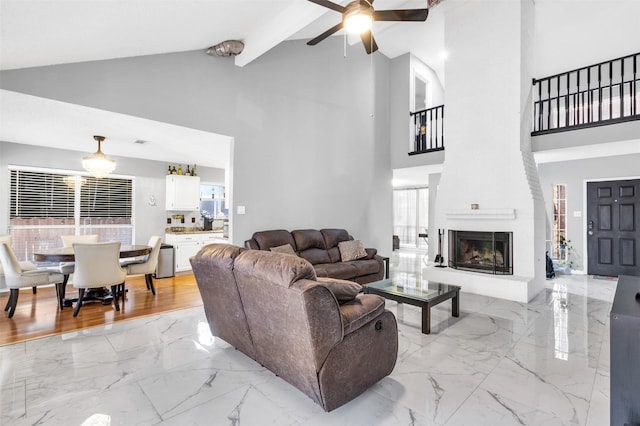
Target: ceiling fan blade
329 5
325 34
401 15
369 42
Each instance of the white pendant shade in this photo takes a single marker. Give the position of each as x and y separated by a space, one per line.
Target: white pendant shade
98 164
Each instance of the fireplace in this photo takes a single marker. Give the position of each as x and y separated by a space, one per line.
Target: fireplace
486 252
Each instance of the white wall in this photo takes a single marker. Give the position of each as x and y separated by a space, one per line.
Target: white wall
149 181
310 127
575 34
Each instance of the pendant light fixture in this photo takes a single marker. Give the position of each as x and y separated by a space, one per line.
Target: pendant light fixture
98 164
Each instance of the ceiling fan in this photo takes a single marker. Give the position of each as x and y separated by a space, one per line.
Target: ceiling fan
359 15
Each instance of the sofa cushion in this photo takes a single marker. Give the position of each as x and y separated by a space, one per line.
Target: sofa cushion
333 236
341 270
365 266
360 311
284 249
315 256
331 239
311 245
351 250
343 290
274 238
308 238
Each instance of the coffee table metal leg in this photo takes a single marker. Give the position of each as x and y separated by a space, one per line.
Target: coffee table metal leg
426 320
455 305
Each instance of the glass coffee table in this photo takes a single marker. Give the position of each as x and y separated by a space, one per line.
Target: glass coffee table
423 295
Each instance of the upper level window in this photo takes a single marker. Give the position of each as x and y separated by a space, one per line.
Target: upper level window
46 204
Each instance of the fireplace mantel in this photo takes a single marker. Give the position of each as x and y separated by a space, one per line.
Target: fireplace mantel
471 214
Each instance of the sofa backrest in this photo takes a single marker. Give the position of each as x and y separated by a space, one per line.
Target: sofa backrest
213 269
264 240
294 321
331 239
311 247
316 246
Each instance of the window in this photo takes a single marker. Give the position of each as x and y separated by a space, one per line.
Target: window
47 204
411 216
213 200
559 231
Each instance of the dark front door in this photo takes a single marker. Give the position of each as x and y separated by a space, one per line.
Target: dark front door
613 227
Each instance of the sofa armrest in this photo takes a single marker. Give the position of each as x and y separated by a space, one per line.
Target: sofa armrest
371 252
251 244
360 311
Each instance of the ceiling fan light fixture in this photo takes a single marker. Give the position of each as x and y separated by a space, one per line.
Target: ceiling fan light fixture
358 18
98 164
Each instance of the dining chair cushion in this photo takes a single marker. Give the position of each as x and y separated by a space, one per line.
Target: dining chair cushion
148 266
16 277
25 265
69 240
97 265
67 268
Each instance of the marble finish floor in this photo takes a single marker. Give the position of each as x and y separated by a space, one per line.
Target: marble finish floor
499 363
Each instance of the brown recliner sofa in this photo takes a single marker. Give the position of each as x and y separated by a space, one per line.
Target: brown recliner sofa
271 307
320 248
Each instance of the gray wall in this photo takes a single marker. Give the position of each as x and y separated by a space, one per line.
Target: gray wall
574 174
149 181
311 128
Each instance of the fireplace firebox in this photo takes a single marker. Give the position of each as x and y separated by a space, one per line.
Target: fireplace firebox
486 252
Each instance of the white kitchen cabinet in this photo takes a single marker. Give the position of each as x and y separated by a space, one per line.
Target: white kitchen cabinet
183 193
187 245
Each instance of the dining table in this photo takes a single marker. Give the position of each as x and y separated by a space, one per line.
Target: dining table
65 254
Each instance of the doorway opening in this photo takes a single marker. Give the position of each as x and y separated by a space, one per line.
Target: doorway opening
411 217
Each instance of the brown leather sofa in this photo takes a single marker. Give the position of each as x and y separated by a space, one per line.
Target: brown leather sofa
271 307
320 248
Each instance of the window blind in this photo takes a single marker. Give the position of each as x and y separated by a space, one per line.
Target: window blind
105 198
51 195
40 195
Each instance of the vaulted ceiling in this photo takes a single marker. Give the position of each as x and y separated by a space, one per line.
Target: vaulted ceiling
41 32
37 33
46 32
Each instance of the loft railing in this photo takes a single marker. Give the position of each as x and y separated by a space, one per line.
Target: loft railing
429 130
595 95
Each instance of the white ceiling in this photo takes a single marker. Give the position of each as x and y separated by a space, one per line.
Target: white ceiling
45 32
48 32
68 126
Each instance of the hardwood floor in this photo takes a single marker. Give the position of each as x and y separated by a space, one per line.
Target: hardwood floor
38 315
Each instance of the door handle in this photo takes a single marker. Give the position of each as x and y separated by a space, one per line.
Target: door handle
590 227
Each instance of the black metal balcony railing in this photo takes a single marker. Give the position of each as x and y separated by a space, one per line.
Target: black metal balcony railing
595 95
429 130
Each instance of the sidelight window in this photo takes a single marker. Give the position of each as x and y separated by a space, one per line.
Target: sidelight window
559 237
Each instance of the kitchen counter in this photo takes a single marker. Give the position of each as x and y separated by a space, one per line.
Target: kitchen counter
173 231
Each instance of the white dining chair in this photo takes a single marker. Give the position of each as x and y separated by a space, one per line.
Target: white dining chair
17 278
66 268
146 266
96 266
25 265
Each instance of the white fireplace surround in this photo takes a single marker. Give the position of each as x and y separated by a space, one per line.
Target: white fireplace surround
473 214
489 180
